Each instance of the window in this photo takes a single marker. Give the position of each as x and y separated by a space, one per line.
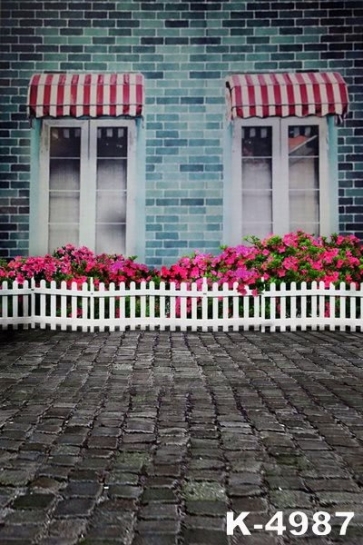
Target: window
87 185
280 176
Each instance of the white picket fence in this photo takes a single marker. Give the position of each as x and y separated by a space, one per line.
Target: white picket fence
188 307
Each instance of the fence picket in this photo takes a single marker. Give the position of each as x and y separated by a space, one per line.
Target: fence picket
183 302
321 307
235 307
353 307
172 307
303 311
63 306
4 301
53 304
194 306
26 297
43 305
314 314
293 307
101 305
263 313
256 313
84 305
342 308
15 305
204 295
246 311
282 309
74 302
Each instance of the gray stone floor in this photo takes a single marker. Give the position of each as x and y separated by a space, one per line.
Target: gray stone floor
149 438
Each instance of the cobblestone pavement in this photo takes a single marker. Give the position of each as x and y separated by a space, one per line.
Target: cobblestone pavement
149 438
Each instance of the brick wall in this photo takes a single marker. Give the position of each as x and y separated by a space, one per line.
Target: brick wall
185 49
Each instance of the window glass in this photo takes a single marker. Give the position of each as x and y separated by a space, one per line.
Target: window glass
110 238
111 191
256 151
64 186
303 165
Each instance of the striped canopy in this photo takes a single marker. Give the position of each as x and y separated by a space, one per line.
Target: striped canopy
89 95
283 95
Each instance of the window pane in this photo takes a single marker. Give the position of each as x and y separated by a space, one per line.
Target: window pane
256 206
256 142
256 180
311 228
304 208
110 238
304 196
256 174
62 233
111 195
304 173
64 174
112 142
111 174
260 229
111 206
63 206
65 142
304 141
64 186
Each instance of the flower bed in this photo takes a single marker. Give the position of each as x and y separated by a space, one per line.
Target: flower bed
295 257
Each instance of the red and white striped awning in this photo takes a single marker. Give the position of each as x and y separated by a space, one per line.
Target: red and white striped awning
85 95
283 95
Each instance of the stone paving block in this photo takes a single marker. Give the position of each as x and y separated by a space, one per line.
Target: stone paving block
332 485
58 473
261 540
82 489
33 501
285 499
124 491
251 504
206 507
155 539
204 490
339 498
204 536
67 528
101 442
14 477
19 532
158 494
157 510
155 526
30 516
286 483
74 507
116 476
205 522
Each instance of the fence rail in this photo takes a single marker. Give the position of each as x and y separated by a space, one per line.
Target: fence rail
167 306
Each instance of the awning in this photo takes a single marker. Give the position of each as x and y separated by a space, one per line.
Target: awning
283 95
90 95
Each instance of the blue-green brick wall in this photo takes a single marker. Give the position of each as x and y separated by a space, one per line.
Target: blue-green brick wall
185 49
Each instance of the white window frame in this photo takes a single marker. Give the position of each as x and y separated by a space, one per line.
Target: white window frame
280 180
88 182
